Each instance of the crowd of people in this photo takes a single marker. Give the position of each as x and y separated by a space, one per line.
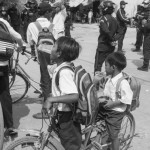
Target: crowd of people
58 18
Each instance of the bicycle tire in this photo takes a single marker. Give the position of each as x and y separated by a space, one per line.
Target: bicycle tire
52 144
126 141
1 128
18 86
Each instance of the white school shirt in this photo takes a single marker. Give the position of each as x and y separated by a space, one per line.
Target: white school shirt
125 90
59 22
66 85
32 31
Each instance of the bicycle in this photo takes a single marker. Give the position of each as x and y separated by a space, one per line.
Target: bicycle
95 137
1 128
19 79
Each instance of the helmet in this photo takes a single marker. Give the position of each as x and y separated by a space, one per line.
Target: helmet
107 7
146 2
32 3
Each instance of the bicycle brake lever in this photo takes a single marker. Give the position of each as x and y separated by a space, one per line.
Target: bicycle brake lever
28 61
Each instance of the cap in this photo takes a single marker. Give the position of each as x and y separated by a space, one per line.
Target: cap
57 4
44 7
146 2
123 3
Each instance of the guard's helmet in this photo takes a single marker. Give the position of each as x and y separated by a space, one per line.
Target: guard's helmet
32 3
107 7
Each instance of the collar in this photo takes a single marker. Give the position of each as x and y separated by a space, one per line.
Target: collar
61 65
114 80
41 19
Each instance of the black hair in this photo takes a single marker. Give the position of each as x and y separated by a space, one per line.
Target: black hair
117 59
68 47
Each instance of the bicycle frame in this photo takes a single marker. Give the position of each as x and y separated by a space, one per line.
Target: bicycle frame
24 73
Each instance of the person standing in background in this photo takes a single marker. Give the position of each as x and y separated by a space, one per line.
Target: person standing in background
15 18
90 16
28 15
59 20
4 12
122 21
68 23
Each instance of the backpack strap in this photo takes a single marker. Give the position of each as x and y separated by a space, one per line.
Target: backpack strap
106 21
38 26
118 94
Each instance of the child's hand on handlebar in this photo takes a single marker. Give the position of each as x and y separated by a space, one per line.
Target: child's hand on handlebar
47 105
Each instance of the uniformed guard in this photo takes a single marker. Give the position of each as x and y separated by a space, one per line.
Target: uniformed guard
29 14
123 21
109 33
146 31
139 34
15 17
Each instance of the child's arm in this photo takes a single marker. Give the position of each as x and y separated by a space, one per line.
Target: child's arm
112 104
69 98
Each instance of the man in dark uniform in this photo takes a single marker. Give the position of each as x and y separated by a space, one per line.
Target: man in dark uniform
28 15
68 23
123 21
146 31
139 33
15 18
109 33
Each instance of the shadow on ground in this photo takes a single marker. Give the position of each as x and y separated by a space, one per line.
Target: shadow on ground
21 109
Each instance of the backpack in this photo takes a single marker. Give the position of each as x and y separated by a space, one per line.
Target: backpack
85 110
45 38
6 43
135 87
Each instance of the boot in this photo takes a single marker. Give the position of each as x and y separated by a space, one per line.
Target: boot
136 50
143 68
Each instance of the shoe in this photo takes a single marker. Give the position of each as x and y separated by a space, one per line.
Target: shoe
40 116
11 132
143 68
136 50
41 95
37 92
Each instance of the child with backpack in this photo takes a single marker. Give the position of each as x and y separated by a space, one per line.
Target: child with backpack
64 51
113 105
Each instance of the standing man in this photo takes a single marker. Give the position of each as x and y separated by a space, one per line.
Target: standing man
44 12
15 18
68 23
4 12
139 33
28 15
109 34
122 21
90 16
59 20
5 96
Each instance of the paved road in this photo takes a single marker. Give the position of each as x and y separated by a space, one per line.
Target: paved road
87 36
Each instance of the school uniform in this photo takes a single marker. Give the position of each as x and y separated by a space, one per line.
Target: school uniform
69 131
114 116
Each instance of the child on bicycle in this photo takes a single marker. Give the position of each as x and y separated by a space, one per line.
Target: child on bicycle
64 51
112 107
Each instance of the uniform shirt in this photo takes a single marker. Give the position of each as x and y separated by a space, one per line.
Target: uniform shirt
125 91
59 22
32 31
66 85
15 35
121 17
109 32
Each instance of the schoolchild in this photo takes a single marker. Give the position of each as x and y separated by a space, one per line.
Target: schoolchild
64 52
112 106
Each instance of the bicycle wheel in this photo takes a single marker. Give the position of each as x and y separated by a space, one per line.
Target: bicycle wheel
1 128
127 131
18 86
31 143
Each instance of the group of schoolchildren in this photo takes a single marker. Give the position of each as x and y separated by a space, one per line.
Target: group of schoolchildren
66 50
111 109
